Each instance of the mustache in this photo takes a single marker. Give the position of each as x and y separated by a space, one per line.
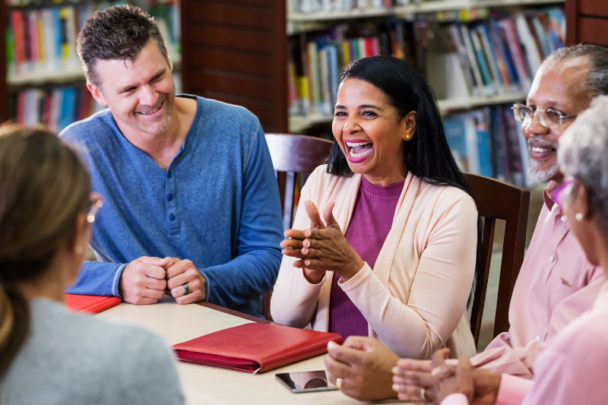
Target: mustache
532 142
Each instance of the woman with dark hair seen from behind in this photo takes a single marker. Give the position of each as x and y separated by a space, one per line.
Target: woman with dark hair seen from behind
394 256
47 354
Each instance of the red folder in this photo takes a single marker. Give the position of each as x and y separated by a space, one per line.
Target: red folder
255 347
90 303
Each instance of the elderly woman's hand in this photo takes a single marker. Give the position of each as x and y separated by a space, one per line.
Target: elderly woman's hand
321 248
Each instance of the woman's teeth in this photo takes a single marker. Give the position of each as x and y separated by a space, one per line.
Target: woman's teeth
353 145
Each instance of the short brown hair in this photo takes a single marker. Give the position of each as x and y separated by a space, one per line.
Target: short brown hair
118 32
44 187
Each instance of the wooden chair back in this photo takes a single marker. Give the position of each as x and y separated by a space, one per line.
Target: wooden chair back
498 200
292 154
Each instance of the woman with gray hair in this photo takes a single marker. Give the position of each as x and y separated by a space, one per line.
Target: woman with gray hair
572 370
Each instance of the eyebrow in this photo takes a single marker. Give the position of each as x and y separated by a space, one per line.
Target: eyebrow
157 75
341 107
555 104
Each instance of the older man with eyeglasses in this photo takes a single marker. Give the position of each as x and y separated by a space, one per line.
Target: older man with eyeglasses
555 284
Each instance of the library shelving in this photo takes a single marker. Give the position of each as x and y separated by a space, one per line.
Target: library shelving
237 52
43 75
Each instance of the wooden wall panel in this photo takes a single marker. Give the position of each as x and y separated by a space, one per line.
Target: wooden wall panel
593 7
236 52
593 31
586 22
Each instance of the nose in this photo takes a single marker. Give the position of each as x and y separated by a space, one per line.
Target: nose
351 125
534 127
149 96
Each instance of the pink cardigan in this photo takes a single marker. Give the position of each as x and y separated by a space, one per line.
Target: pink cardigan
415 298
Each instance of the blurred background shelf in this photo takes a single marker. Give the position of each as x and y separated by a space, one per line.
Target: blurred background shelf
299 124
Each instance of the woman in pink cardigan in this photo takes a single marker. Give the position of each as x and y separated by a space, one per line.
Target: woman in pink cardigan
395 255
573 368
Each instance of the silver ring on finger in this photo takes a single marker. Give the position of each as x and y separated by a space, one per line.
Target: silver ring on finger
435 371
422 394
186 289
339 382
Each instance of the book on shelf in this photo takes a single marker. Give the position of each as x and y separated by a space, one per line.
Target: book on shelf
502 54
44 39
489 142
54 108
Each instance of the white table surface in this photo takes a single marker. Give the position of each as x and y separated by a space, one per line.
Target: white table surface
207 385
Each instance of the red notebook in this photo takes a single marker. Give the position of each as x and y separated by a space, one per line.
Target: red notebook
90 303
255 347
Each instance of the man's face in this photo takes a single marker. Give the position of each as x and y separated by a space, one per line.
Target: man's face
559 86
139 93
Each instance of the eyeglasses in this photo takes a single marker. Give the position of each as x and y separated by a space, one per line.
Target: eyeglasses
557 193
96 204
549 118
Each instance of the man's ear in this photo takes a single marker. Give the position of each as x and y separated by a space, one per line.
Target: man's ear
97 94
408 126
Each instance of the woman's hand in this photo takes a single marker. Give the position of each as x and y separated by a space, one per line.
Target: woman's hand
321 248
461 382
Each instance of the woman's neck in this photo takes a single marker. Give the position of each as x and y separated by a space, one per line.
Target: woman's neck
50 285
386 179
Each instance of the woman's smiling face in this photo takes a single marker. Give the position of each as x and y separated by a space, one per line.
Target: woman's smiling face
370 133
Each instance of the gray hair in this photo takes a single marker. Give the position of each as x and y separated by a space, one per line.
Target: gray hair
597 79
583 154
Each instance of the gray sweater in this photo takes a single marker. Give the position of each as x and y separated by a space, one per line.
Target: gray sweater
77 359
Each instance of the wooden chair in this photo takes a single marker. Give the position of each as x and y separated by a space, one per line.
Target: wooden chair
292 154
498 200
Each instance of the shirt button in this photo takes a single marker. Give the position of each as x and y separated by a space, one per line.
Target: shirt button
169 175
170 197
564 218
171 217
551 258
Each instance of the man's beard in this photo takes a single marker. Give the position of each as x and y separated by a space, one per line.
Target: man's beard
156 128
534 167
535 172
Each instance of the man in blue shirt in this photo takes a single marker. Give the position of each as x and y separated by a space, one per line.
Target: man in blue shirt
191 199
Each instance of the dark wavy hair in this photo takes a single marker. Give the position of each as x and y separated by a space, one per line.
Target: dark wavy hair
427 155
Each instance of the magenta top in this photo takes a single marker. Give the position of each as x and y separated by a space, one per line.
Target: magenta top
370 223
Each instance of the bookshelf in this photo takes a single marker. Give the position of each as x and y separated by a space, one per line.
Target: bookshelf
43 75
300 123
415 7
238 52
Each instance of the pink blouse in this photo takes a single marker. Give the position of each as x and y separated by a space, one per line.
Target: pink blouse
556 284
571 370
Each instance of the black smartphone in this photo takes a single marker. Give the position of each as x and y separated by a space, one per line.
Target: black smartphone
307 381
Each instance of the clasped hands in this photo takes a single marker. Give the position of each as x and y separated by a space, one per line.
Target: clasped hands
438 380
144 281
322 247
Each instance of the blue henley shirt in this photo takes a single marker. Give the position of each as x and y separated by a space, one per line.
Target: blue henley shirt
217 204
